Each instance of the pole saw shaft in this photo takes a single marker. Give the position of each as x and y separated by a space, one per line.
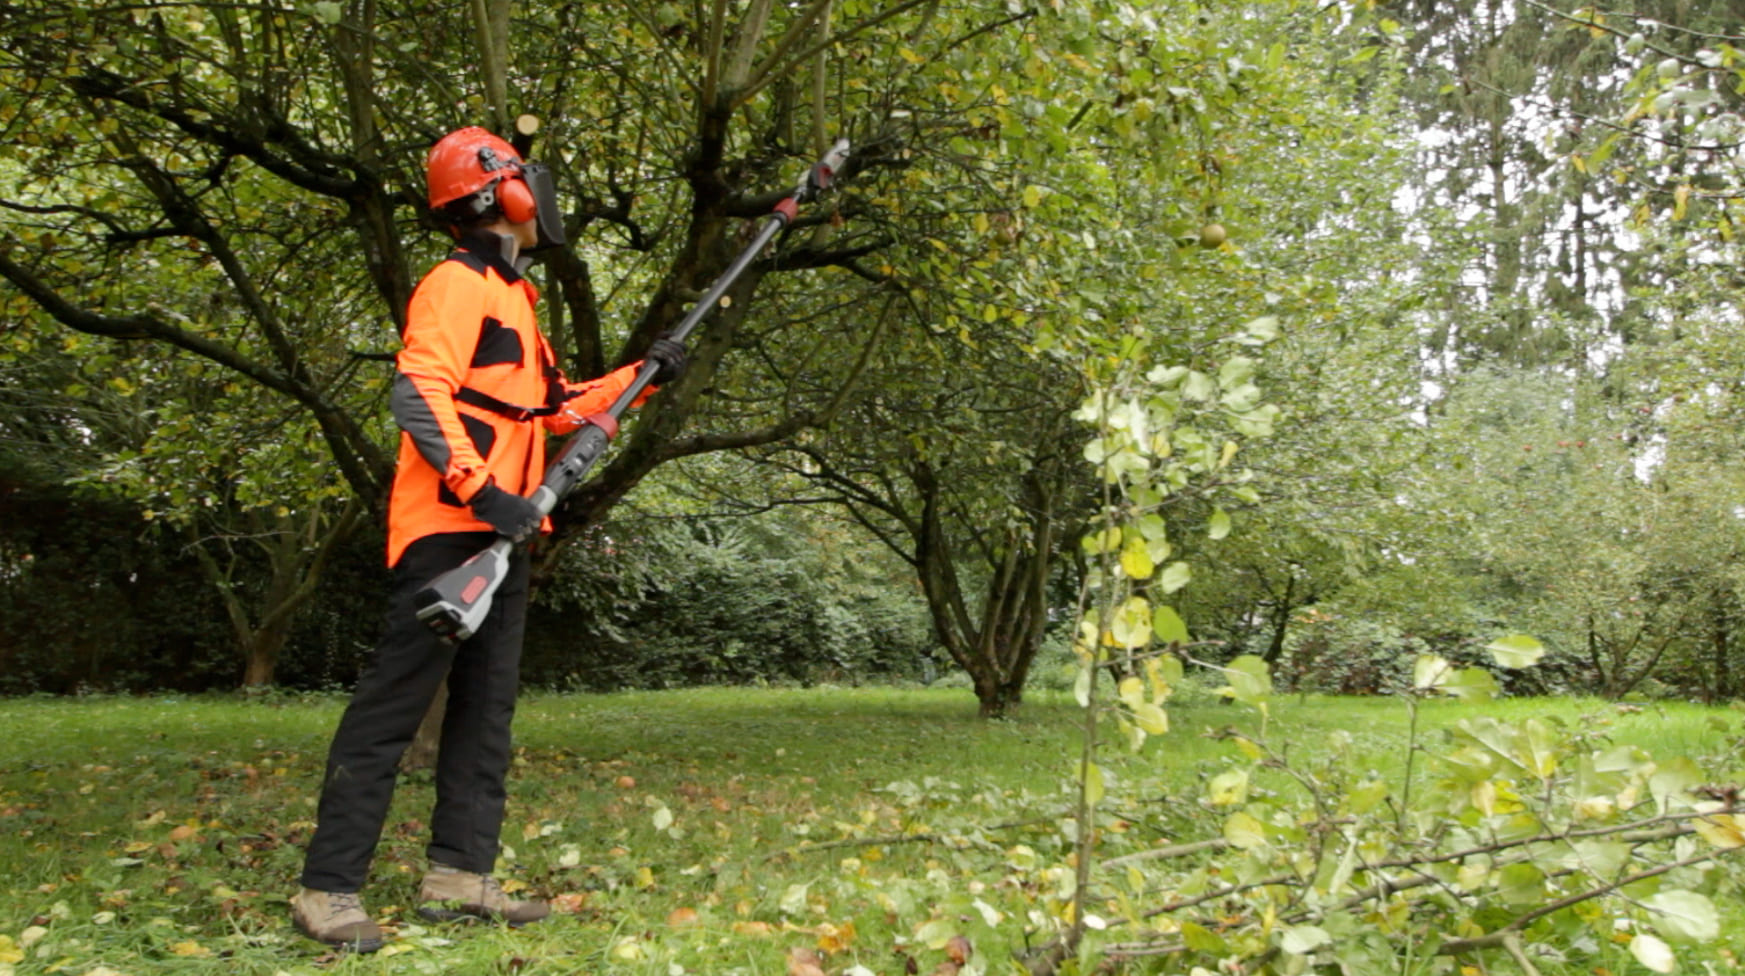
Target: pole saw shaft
456 603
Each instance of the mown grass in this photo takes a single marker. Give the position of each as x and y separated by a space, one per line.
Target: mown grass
145 835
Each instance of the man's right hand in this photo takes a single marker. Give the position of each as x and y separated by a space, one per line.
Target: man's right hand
513 516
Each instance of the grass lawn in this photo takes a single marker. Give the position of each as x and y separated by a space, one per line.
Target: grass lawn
710 831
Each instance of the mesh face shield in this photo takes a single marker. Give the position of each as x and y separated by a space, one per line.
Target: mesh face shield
538 178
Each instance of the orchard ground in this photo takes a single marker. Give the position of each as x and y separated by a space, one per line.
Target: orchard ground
719 831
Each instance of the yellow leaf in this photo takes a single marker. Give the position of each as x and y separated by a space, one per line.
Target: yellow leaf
1151 718
1228 788
1484 796
1032 196
1724 830
1136 560
190 949
1680 201
1244 832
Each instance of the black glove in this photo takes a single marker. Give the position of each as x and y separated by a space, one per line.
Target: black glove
513 516
670 357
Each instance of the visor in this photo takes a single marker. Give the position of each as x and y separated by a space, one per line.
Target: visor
538 178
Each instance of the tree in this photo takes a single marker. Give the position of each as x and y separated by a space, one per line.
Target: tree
255 155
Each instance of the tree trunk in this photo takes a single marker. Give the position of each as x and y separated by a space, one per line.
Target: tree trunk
997 645
263 655
421 754
296 554
1720 636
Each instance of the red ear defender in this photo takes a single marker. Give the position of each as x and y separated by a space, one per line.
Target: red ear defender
516 200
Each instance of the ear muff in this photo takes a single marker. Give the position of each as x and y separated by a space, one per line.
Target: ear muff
516 200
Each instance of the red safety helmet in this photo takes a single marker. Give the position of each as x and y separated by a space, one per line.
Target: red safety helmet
475 166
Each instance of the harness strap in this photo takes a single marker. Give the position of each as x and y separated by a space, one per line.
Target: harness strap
485 401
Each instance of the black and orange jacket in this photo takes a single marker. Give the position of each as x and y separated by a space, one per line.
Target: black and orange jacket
476 390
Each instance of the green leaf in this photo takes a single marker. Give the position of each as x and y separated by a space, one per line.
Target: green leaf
1430 671
1250 681
1201 939
1300 940
1367 796
1168 627
1673 780
1264 328
1472 685
1684 916
1175 576
1516 651
1235 372
1218 526
1199 386
1092 776
1521 884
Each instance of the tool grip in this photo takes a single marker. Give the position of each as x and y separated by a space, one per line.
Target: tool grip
456 603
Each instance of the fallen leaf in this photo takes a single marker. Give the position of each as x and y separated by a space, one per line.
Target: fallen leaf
569 903
751 928
833 938
804 962
190 949
682 916
958 949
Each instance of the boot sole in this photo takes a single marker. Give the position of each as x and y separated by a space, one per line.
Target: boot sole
465 918
359 946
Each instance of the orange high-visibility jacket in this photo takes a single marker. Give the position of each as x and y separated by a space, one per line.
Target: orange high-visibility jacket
476 390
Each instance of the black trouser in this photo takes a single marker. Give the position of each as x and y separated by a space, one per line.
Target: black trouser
391 698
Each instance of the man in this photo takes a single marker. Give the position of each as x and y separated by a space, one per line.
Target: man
476 383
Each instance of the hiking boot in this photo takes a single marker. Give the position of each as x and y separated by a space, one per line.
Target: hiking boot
452 895
336 918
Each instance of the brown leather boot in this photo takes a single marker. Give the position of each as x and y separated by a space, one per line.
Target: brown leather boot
336 918
451 895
